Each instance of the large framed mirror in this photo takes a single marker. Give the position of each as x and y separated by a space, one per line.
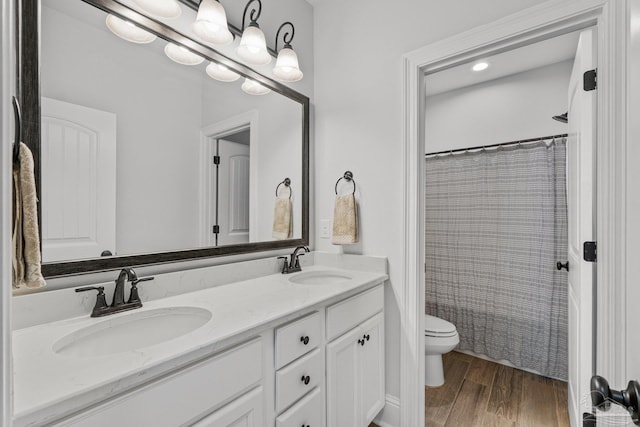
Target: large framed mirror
141 160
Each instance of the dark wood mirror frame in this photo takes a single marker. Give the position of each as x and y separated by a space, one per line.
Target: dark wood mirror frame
29 95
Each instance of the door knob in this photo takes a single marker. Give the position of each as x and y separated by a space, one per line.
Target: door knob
560 265
602 397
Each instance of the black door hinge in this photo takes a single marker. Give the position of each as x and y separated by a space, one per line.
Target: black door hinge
216 160
589 251
590 80
216 229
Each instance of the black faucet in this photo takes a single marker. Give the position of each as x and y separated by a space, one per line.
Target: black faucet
294 262
118 304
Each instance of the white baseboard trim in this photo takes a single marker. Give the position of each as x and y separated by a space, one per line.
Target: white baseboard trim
390 414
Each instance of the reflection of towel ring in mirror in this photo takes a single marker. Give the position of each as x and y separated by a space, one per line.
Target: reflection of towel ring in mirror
348 176
287 183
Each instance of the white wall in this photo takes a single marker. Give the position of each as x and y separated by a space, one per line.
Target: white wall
358 115
515 107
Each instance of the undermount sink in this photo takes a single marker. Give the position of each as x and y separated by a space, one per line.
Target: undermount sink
132 331
319 278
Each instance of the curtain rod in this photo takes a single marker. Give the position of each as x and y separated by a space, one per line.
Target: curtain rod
502 144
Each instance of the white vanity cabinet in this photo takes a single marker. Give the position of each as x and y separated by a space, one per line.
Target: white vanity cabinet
355 360
193 392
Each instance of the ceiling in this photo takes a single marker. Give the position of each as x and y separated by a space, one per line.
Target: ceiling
515 61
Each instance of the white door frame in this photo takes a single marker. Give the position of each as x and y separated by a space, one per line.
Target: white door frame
7 88
537 23
220 130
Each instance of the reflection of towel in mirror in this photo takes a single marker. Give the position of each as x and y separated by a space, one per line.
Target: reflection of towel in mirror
282 221
25 237
345 220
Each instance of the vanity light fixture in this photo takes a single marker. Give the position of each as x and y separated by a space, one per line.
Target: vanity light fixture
480 66
222 73
169 9
252 87
287 68
211 23
128 31
253 46
182 55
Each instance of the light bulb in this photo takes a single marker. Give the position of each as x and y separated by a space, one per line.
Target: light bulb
221 73
480 66
128 31
169 9
287 68
211 23
182 55
252 87
253 47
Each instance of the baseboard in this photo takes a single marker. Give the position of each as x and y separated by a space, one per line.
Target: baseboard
390 414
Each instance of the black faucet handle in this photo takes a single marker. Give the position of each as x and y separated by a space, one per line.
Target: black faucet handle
285 264
101 301
297 260
141 279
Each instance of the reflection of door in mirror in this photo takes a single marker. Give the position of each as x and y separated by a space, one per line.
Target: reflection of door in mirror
231 184
78 181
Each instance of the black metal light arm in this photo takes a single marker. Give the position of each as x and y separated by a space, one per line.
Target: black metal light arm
255 14
286 38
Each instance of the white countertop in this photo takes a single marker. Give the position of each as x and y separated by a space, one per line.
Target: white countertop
48 386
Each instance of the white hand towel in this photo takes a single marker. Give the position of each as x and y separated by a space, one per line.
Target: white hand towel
282 221
345 220
25 236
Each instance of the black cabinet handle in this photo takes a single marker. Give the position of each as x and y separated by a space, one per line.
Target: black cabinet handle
366 337
560 265
304 340
361 342
305 379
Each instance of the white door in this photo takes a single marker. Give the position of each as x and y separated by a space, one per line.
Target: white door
246 411
372 368
233 193
342 380
580 191
78 181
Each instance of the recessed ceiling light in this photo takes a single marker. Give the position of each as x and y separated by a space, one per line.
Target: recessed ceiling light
480 66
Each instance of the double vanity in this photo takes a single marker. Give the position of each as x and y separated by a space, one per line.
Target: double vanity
232 345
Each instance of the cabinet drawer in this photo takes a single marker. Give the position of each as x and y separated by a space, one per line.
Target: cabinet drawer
184 396
291 339
307 412
290 381
349 313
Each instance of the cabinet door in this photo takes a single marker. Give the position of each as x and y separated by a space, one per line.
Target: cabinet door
246 411
342 380
372 368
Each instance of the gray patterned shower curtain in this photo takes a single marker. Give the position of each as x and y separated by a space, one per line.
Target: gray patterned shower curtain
496 223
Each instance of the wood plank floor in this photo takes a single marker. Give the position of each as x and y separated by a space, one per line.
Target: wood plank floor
479 393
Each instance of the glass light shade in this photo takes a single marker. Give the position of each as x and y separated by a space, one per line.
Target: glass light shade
128 31
252 87
182 55
253 47
221 73
169 9
287 68
211 23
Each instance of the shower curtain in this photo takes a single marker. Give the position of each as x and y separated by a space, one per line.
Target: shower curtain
496 223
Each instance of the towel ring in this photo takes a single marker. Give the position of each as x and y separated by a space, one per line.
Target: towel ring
348 176
287 183
18 129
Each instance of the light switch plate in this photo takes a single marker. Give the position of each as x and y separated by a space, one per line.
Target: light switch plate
325 228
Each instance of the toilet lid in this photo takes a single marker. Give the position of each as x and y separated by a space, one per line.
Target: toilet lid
437 327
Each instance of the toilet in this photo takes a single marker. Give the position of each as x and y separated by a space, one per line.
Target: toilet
440 337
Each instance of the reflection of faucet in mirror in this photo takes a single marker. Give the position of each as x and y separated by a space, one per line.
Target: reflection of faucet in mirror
118 304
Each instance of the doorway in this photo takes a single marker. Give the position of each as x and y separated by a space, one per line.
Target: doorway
473 111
